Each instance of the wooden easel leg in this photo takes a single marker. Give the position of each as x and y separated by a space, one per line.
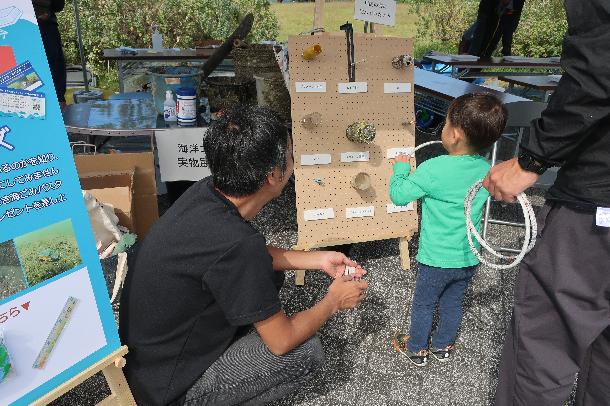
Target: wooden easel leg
405 260
318 14
118 384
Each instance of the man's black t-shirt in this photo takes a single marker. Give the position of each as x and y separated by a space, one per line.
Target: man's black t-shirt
201 276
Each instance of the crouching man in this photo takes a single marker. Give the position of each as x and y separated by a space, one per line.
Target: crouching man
204 276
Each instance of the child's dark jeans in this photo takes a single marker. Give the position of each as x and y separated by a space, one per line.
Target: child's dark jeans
444 287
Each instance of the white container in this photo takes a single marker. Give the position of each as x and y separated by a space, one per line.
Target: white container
186 106
157 40
169 107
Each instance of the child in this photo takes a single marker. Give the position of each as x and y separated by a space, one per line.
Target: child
445 263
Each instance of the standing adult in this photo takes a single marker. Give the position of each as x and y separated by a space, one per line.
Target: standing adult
561 315
496 19
51 39
204 277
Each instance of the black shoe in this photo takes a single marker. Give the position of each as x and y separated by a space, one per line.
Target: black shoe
399 342
442 354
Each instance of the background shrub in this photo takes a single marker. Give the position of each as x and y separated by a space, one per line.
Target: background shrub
112 23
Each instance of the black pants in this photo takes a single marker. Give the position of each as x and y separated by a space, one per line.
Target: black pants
561 317
51 40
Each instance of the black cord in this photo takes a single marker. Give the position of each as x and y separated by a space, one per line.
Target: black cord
351 65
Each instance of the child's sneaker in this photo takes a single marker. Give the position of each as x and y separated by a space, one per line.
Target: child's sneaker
399 342
442 354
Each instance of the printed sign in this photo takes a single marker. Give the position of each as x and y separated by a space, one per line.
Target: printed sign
362 156
55 314
392 208
353 212
181 155
352 87
315 159
319 214
394 152
310 87
397 87
376 11
21 77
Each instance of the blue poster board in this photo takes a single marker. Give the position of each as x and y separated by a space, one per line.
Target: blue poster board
55 315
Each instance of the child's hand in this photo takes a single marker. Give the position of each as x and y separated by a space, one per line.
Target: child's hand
402 158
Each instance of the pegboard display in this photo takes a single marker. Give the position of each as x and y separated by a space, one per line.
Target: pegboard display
323 186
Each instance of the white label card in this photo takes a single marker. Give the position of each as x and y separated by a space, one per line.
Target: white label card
362 156
310 87
602 217
397 87
392 208
394 152
319 214
376 11
352 87
367 211
315 159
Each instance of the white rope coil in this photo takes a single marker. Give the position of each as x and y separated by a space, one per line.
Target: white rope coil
531 227
531 230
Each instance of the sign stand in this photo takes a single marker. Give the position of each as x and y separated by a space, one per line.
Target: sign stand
112 368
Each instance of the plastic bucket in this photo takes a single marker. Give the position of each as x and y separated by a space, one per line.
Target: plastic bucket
271 92
172 78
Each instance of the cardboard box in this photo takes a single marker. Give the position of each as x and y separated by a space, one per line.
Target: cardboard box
115 189
144 191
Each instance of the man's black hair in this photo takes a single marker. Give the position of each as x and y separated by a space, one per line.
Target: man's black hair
481 116
243 147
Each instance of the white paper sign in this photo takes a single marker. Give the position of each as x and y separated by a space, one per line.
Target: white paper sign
394 152
315 159
376 11
310 87
397 87
181 155
352 87
319 214
362 156
392 208
366 211
602 217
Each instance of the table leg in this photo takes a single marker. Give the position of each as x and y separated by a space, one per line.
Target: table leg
547 94
119 66
453 71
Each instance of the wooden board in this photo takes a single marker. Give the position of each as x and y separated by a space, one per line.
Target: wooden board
393 116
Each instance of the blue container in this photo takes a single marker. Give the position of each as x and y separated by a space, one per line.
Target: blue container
172 78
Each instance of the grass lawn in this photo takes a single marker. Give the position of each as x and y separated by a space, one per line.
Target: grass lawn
298 17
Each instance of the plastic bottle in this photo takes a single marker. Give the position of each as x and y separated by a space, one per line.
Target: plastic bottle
169 107
157 39
186 106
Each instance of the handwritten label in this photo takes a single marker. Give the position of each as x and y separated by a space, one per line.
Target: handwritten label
376 11
352 87
394 152
602 217
397 87
310 87
365 211
315 159
319 214
355 156
392 208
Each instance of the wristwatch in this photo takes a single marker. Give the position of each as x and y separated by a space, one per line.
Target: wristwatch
529 163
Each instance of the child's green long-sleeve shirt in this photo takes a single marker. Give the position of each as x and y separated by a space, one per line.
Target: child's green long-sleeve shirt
442 183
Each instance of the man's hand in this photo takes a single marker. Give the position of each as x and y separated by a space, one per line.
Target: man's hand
334 263
506 180
347 293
